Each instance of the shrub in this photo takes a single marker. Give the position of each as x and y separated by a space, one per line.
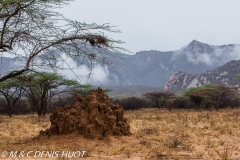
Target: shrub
132 103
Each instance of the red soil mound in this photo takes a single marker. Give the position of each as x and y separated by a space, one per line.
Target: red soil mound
94 117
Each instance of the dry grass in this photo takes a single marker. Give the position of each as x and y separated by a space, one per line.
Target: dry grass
157 134
20 128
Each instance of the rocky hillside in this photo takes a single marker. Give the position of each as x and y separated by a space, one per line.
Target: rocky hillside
225 74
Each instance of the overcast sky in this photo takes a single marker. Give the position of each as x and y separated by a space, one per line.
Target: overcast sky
163 25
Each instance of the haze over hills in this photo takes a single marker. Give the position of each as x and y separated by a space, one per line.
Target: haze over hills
152 68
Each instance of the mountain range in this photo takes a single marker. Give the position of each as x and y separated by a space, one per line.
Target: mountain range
154 68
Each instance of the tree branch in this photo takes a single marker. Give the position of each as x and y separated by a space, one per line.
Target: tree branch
12 74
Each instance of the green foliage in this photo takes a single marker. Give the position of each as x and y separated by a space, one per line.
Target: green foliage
84 90
50 80
186 93
9 83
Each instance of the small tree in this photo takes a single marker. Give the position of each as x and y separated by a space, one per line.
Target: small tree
217 93
195 95
159 98
41 87
211 93
12 90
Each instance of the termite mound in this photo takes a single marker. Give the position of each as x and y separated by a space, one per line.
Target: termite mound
94 117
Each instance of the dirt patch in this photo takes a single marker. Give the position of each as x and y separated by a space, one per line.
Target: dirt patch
94 117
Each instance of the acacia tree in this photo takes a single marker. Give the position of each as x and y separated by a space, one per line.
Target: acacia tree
32 28
217 93
213 93
42 87
12 90
159 98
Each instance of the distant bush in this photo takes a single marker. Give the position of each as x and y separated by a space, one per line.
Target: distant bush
231 102
179 103
22 107
62 100
159 99
132 103
3 106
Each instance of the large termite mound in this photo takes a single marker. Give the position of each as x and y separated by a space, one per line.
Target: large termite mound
94 117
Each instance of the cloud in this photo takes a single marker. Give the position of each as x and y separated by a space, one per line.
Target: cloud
235 54
218 57
99 73
204 58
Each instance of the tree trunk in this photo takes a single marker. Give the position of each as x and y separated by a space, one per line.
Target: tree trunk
157 105
39 115
9 113
10 107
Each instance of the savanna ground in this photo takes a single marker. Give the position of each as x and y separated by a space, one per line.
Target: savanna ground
157 134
